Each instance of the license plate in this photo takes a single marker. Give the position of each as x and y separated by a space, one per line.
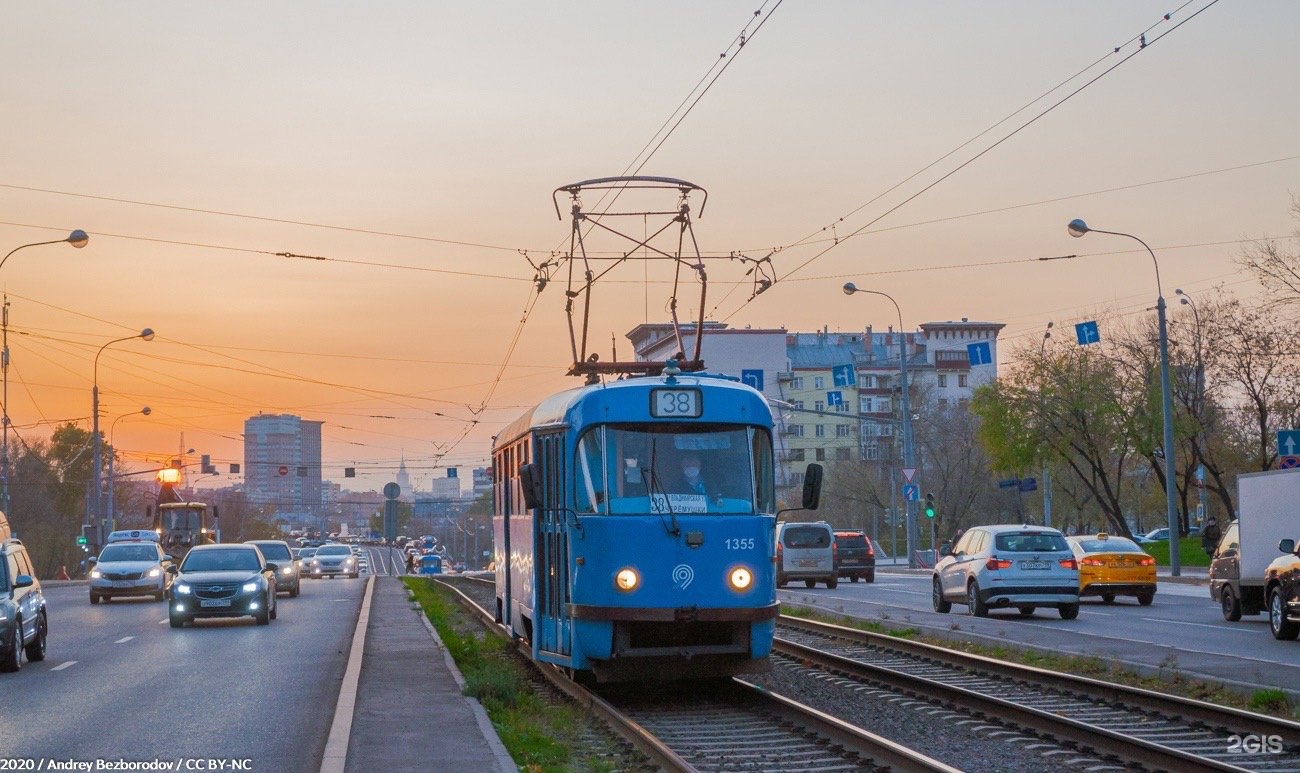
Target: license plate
1034 565
808 562
214 602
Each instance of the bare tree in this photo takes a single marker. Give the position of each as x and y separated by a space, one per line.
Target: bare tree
1276 269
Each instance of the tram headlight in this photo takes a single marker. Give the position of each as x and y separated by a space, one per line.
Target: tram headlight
627 579
740 578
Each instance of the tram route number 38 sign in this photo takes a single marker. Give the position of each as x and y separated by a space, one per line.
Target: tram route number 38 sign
676 403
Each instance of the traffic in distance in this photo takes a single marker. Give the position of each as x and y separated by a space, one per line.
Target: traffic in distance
208 580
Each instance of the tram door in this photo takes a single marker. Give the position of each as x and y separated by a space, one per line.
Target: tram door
552 547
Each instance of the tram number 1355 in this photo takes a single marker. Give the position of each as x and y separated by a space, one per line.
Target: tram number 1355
676 403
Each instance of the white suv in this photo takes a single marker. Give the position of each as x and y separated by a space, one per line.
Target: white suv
1008 566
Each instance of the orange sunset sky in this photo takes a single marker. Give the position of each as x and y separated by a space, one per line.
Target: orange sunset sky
414 147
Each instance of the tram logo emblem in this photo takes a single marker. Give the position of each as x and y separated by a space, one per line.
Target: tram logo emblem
683 574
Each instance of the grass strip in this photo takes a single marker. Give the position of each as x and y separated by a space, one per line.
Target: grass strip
1169 679
541 737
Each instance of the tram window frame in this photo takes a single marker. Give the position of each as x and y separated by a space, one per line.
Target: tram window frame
606 469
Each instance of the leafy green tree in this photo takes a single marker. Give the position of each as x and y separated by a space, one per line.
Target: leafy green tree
1070 405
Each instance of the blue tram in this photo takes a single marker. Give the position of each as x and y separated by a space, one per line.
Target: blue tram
429 563
634 528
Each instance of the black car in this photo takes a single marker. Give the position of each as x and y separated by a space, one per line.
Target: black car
1282 591
855 556
23 624
289 569
223 580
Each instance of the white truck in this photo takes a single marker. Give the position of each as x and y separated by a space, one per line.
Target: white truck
1268 511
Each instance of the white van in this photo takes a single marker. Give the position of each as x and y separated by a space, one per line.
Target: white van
805 551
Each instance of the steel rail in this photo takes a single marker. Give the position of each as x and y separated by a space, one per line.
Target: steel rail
855 740
1103 740
1189 709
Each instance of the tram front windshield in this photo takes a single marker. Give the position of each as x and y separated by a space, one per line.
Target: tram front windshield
628 469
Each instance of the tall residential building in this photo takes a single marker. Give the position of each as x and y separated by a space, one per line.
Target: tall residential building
282 463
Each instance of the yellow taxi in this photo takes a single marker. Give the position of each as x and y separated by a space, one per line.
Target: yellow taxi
1111 566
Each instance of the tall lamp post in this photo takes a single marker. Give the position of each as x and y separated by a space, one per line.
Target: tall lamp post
97 512
1047 470
1078 228
112 505
78 239
908 459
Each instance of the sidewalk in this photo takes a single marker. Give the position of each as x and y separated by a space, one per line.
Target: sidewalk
410 714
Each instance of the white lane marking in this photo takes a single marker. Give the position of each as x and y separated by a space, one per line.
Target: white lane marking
1202 625
64 665
163 621
124 640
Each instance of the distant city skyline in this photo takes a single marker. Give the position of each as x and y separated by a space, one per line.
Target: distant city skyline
351 229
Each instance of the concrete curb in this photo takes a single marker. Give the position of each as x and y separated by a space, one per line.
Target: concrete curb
335 758
505 762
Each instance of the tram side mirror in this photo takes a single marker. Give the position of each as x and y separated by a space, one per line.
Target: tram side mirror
812 487
531 485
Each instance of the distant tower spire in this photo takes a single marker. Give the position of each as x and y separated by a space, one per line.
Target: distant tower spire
403 477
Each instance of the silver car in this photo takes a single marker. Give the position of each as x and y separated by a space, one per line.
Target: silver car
1021 566
130 568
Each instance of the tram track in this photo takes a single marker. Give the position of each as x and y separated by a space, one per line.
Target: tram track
734 725
1114 722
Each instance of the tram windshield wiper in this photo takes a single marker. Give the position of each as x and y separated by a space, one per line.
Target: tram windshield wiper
654 486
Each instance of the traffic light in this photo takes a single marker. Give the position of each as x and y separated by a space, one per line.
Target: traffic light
929 505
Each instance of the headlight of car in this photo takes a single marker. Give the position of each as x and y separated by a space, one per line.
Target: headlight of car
182 589
155 572
350 560
250 587
95 574
288 570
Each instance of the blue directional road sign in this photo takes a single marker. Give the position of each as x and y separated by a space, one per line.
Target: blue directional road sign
1009 483
843 376
753 378
980 353
912 492
1028 484
835 398
1288 442
1087 333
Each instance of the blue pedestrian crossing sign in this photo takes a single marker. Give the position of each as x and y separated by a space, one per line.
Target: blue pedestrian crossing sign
1087 332
912 492
835 398
980 353
753 378
843 376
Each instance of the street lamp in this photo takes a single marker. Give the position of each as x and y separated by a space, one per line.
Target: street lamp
908 460
97 470
145 411
1047 470
1079 228
78 239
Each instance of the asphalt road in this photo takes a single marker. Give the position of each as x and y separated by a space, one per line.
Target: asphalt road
1183 631
119 683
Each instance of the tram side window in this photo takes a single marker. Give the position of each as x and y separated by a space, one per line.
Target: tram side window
590 495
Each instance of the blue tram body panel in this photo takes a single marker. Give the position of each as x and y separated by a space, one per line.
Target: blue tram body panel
630 566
